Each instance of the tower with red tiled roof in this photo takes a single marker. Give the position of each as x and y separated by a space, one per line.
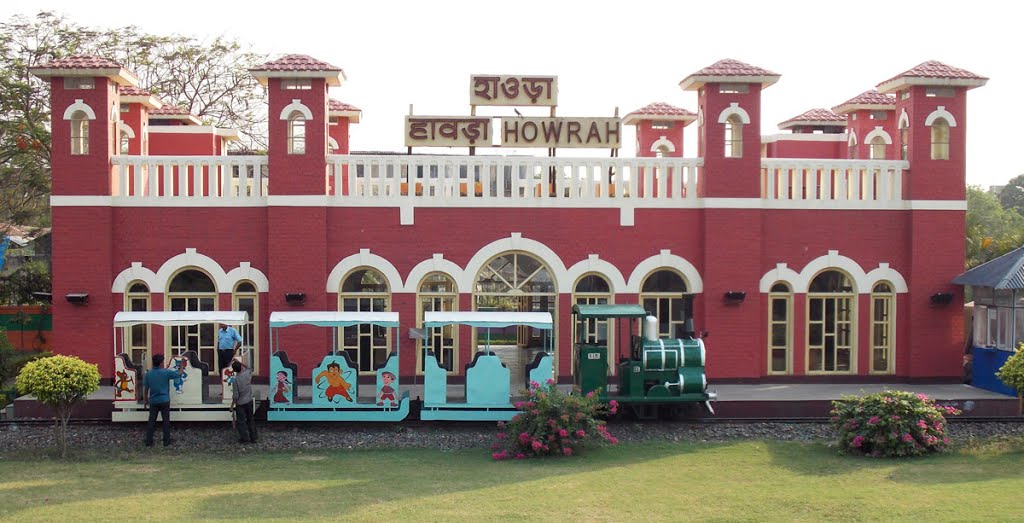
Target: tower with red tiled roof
729 115
871 126
297 245
659 129
729 140
85 109
136 103
341 115
931 112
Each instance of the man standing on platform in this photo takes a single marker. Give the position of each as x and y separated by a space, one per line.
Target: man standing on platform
241 402
228 341
157 397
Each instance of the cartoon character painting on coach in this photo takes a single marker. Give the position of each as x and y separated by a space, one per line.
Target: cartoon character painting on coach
332 382
387 392
124 383
179 364
283 388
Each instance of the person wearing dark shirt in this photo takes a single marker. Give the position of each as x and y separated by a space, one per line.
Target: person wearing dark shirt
241 401
157 397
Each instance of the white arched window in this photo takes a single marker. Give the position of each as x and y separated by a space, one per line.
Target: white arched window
831 323
940 139
883 313
296 133
664 294
878 148
136 337
79 133
437 292
780 330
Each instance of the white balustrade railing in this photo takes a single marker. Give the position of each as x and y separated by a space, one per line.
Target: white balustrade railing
190 177
512 181
854 181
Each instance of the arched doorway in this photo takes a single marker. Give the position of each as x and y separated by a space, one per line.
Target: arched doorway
516 282
193 290
831 323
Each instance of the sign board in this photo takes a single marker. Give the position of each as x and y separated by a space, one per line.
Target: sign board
562 132
541 91
447 131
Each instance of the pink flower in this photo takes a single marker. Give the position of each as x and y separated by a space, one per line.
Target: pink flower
581 433
858 441
524 437
873 421
922 397
520 456
590 394
922 423
502 435
567 451
531 404
613 440
614 405
498 456
552 423
894 417
535 412
501 424
562 433
551 381
537 445
908 438
534 384
518 405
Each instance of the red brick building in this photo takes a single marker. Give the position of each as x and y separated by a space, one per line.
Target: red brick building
823 253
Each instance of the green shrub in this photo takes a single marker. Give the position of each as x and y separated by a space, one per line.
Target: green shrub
12 360
890 424
551 423
1012 374
59 382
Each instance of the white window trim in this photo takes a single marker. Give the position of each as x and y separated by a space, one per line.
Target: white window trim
333 144
665 260
904 122
876 133
852 140
125 128
663 142
296 105
734 108
941 112
79 105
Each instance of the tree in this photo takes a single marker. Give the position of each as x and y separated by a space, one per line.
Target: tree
20 286
991 230
59 382
210 78
1012 374
1012 195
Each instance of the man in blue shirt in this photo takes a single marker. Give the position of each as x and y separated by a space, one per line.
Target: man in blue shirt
228 341
157 396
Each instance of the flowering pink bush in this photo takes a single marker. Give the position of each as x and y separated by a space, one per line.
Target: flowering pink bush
890 424
551 423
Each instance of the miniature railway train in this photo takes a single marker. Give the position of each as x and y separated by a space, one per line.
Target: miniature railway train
656 373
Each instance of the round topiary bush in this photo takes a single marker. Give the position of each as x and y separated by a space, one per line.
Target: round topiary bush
59 382
890 424
552 423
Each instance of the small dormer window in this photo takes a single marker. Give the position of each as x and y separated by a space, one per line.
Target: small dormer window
299 84
79 83
734 136
733 88
939 92
940 139
296 133
125 108
661 124
79 133
879 115
905 95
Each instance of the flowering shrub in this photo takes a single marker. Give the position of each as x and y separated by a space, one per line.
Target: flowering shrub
890 424
551 423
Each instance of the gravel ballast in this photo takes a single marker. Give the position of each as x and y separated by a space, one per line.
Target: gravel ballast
220 437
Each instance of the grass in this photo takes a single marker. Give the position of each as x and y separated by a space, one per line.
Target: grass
746 481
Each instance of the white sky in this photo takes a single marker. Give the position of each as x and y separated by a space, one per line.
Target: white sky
624 54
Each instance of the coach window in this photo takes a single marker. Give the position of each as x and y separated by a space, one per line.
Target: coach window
883 301
296 133
663 294
780 312
368 346
830 323
437 292
593 289
734 136
246 298
136 337
193 290
79 133
940 139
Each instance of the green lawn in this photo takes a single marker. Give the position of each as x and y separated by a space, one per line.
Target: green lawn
752 481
